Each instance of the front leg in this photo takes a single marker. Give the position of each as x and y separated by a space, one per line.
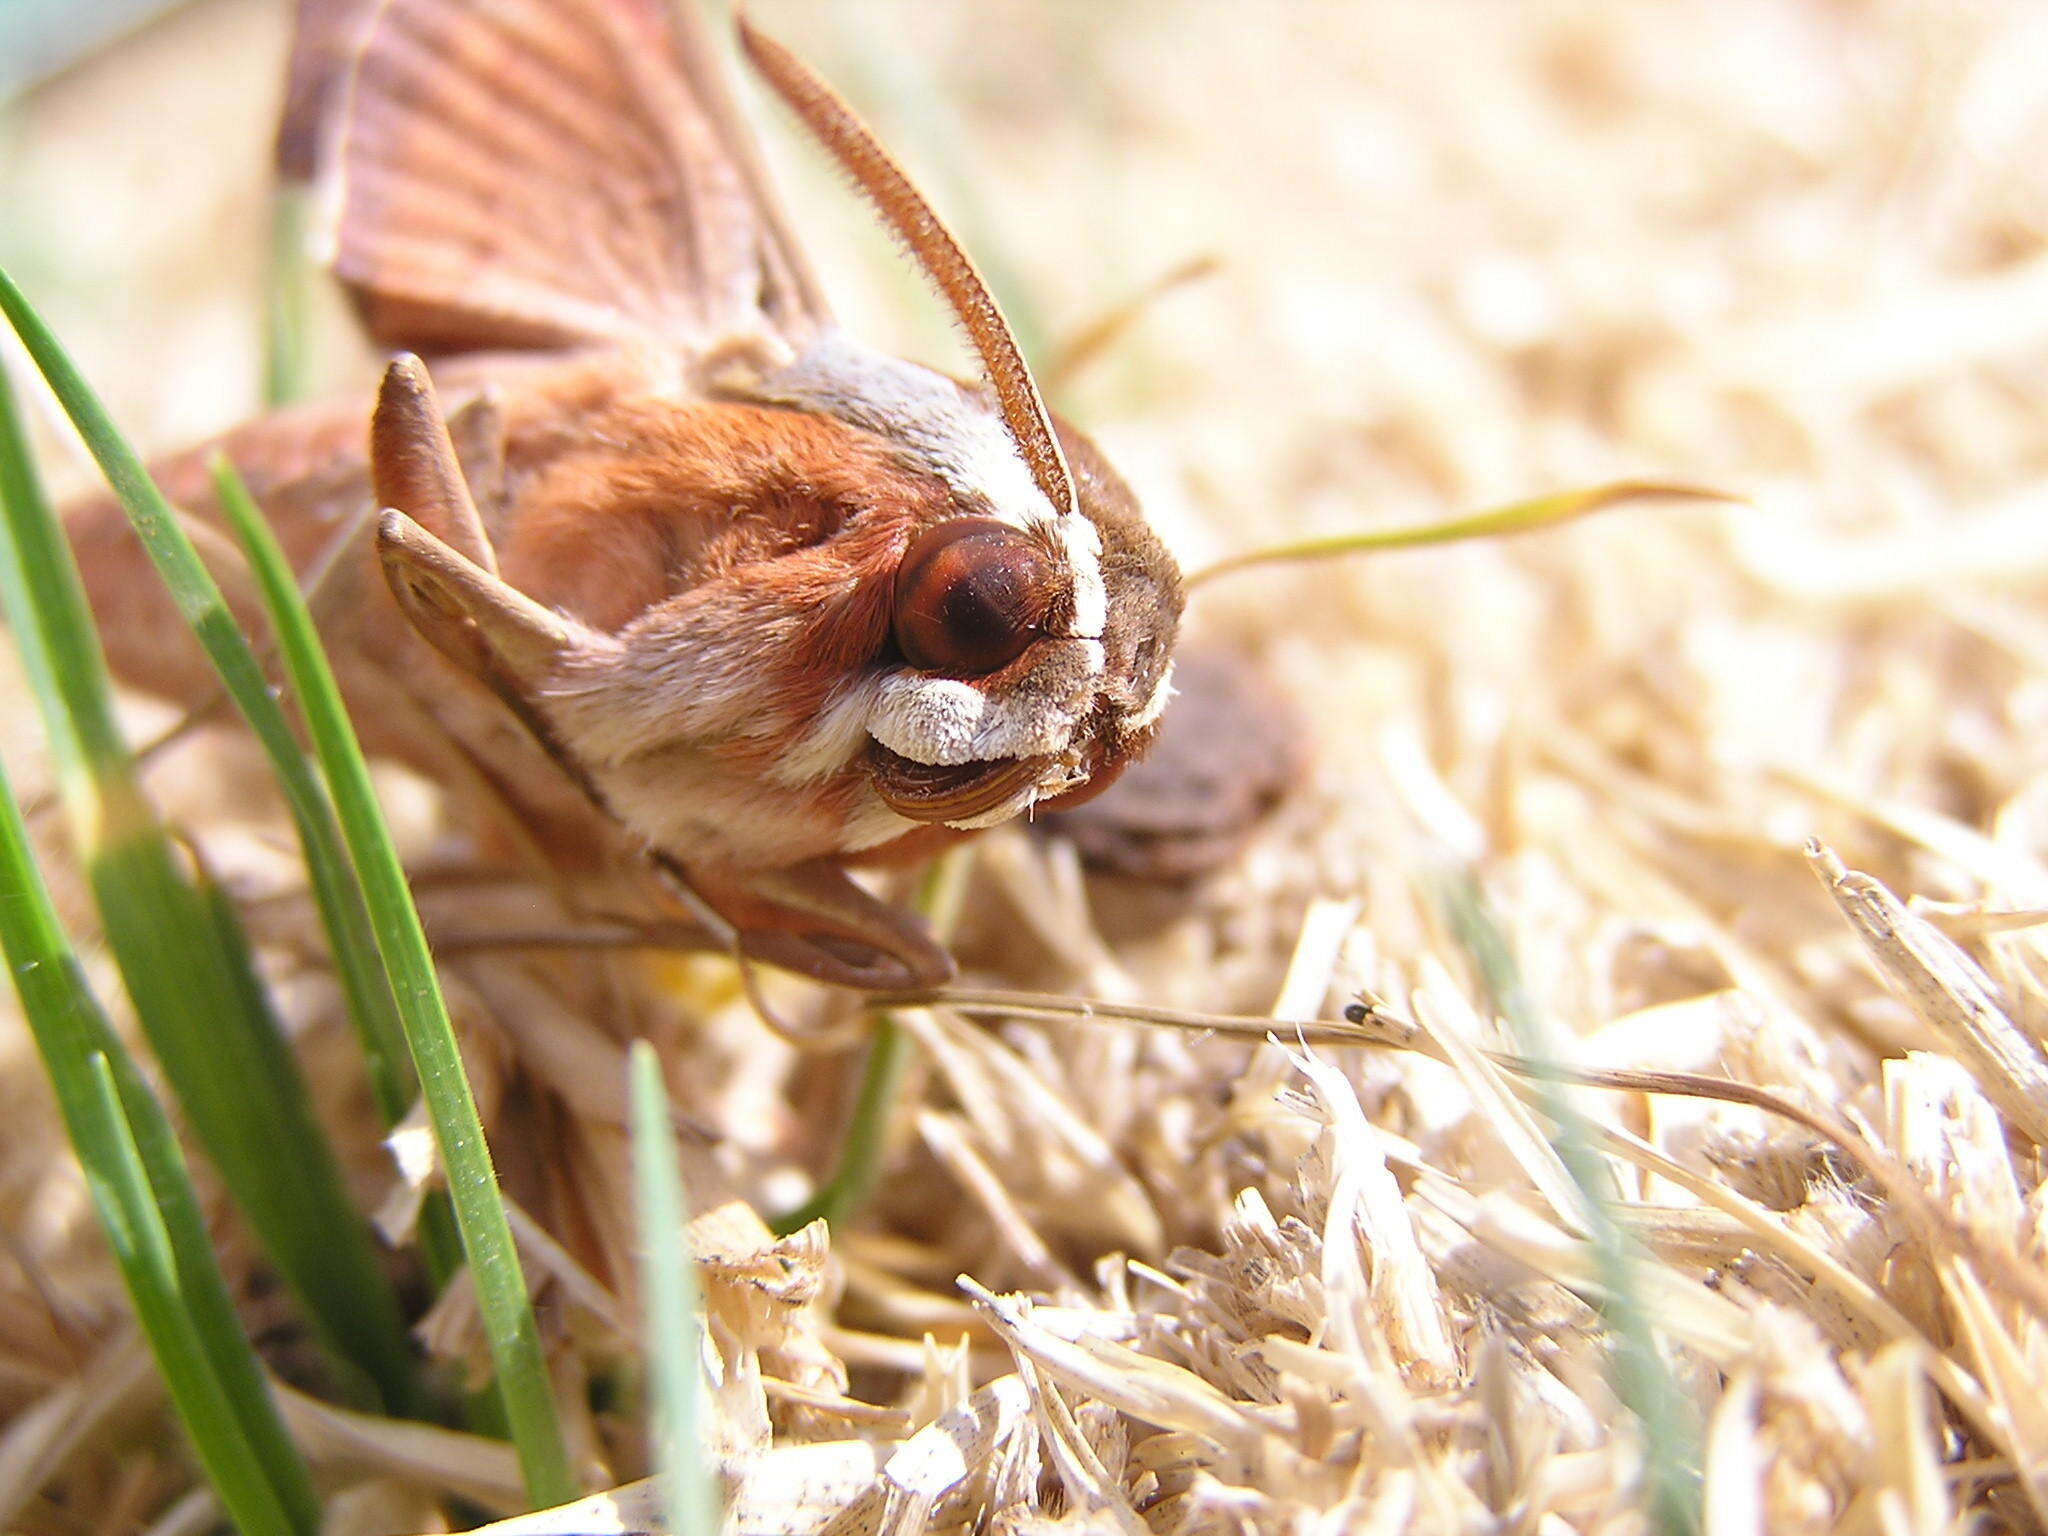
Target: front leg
811 918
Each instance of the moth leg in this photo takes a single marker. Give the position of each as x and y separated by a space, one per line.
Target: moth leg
417 467
812 919
669 937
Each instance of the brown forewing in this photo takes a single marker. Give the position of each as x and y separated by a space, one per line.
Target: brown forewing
324 33
541 173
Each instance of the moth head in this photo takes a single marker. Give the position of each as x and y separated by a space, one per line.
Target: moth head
1034 625
997 635
1030 662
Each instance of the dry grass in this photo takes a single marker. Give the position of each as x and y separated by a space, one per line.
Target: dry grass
1466 253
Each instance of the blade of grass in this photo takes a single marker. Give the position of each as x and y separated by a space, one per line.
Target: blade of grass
199 599
1516 517
151 1216
288 298
472 1182
668 1282
862 1149
142 1248
1672 1453
205 1017
352 943
858 1167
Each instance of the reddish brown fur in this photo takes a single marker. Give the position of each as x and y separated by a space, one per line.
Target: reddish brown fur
693 519
656 499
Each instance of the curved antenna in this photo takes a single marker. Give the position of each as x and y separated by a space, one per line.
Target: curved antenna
833 124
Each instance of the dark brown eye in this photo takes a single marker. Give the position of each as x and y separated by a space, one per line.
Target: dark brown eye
970 595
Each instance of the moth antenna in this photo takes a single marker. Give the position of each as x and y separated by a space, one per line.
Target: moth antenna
910 218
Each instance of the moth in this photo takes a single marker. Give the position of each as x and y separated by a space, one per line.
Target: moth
675 573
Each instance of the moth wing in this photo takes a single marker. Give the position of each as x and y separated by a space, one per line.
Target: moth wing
323 37
536 174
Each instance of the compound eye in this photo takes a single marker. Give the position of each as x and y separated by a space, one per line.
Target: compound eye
970 595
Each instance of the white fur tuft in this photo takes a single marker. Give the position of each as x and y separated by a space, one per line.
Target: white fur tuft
949 430
944 721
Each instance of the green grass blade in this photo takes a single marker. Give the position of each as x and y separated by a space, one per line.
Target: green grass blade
472 1182
142 1248
208 1021
1516 517
365 990
863 1149
352 943
288 297
151 1217
45 607
1672 1452
241 1091
668 1284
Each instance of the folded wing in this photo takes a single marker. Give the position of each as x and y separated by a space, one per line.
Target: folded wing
537 174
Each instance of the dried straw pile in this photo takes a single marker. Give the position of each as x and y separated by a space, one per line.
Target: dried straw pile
1467 253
